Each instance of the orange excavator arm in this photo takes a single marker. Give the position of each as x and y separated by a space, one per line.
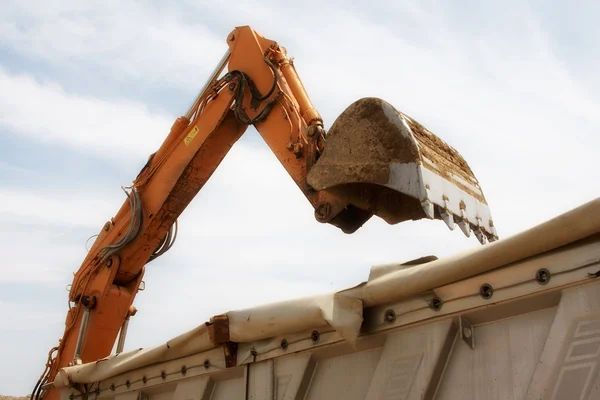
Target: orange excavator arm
263 89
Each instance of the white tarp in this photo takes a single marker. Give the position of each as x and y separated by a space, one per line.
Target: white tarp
567 228
343 310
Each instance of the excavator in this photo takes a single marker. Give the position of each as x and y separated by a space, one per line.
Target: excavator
373 161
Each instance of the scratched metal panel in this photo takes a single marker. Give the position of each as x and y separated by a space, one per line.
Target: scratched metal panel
503 361
229 389
569 367
344 377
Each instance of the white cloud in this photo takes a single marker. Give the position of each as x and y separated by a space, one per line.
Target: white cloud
18 170
489 83
25 318
43 111
25 347
71 207
502 98
138 41
497 116
34 253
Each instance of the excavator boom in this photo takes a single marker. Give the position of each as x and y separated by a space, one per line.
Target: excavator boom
373 161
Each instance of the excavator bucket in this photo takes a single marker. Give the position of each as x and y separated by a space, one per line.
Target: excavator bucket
389 165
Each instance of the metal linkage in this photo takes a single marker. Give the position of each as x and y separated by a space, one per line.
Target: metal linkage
123 334
88 302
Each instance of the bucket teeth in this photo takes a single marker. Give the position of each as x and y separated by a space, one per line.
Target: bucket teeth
448 218
384 163
465 227
492 237
429 209
480 235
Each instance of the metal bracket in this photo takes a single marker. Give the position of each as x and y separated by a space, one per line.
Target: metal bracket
230 351
142 396
467 332
218 330
123 333
88 303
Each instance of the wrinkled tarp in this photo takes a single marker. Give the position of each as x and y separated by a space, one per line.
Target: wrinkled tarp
574 225
343 310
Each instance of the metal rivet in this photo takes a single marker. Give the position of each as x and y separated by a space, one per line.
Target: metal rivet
436 304
284 344
542 276
127 383
390 316
163 375
144 379
206 364
486 291
183 370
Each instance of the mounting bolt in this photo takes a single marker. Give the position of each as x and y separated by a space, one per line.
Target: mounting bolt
323 212
390 316
232 86
314 130
109 263
298 149
106 226
284 344
127 383
88 301
467 332
206 364
315 336
436 304
163 375
144 380
183 370
486 291
543 276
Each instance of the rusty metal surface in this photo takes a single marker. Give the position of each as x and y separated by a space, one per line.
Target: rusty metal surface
218 329
230 350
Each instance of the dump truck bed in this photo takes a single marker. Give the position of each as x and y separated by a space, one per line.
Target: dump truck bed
515 319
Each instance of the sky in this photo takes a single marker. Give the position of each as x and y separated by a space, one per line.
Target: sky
89 89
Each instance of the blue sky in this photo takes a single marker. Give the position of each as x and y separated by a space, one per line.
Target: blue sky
90 89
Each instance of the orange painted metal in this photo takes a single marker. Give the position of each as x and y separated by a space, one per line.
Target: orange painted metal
173 175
